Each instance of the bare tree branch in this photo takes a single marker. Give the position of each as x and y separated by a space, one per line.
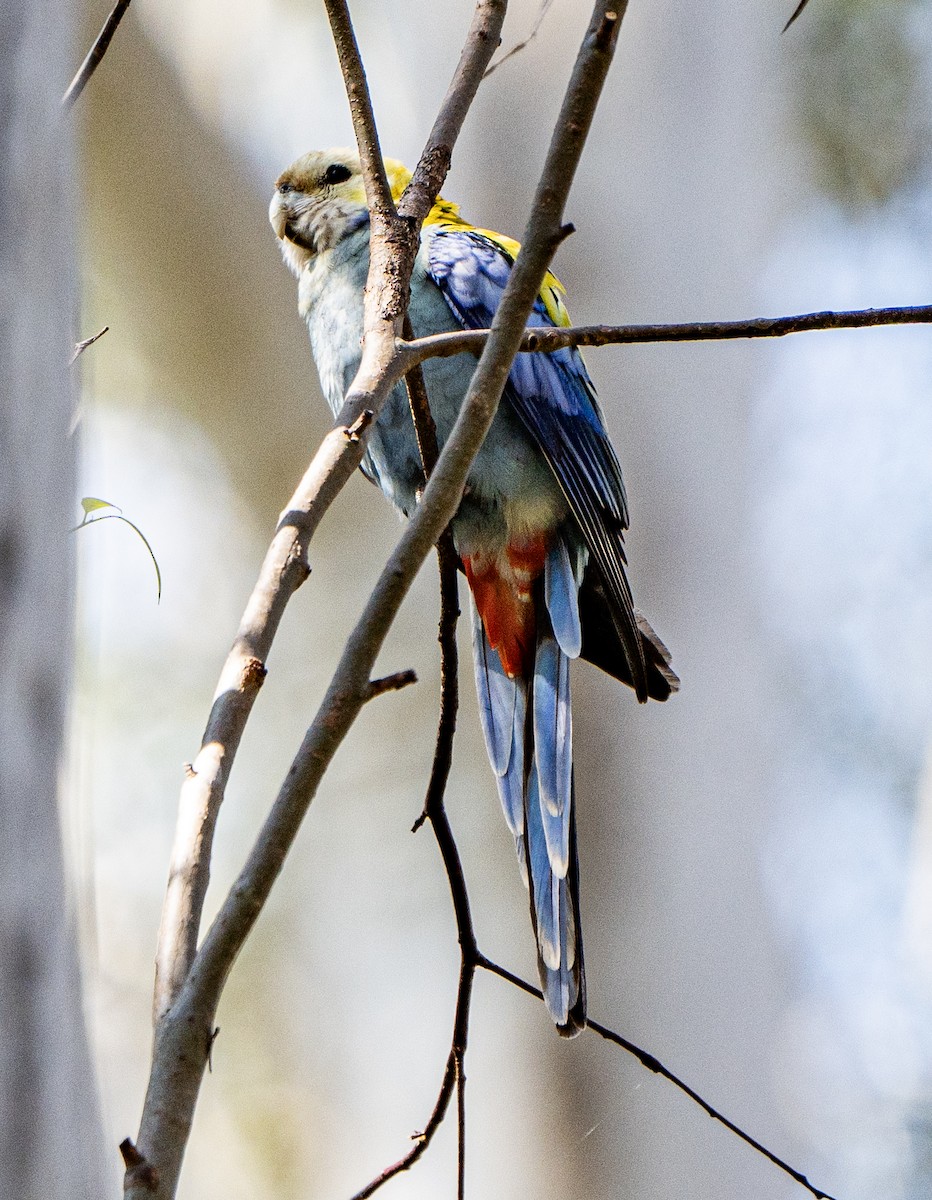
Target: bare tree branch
482 41
461 1127
286 566
445 345
654 1064
391 683
95 54
80 347
284 570
182 1035
435 811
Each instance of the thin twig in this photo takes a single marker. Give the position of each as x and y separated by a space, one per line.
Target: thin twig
80 347
391 683
481 43
95 54
797 13
461 1127
525 42
654 1064
546 340
435 811
425 429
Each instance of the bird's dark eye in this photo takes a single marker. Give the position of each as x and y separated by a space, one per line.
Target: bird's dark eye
285 187
337 173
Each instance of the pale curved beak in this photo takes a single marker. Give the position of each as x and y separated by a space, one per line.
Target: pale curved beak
277 216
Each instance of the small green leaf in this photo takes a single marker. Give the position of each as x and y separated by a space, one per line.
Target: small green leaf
92 504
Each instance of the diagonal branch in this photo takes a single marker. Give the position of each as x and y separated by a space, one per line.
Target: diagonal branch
445 345
797 13
284 570
654 1064
481 43
95 54
85 343
525 41
285 566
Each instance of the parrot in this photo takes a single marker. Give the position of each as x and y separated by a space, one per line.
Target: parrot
538 532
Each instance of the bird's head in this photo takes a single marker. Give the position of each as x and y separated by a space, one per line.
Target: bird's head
320 199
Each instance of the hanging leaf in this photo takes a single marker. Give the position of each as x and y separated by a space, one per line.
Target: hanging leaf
92 504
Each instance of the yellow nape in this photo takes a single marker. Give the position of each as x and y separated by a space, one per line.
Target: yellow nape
446 215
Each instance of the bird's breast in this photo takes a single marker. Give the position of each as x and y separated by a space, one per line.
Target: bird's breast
511 492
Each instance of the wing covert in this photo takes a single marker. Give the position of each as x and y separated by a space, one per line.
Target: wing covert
555 399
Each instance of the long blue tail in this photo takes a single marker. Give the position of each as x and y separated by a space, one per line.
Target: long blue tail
528 730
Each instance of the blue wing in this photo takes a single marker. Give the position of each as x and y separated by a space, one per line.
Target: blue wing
555 399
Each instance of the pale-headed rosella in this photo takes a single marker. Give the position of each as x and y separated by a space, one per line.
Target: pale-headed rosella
539 529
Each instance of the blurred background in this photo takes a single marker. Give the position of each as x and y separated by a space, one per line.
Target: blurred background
756 855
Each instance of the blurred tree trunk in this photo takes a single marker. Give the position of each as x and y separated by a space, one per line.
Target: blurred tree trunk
49 1132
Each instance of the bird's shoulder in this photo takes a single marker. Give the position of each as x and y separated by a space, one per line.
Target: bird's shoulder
473 264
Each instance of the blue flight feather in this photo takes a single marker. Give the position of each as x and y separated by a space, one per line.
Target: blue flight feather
511 784
561 595
502 710
497 698
545 894
553 746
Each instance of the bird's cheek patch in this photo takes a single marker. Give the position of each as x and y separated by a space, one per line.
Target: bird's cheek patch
300 237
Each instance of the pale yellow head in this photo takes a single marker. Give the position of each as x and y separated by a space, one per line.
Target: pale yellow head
320 199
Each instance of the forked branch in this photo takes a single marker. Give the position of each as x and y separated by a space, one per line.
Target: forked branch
189 982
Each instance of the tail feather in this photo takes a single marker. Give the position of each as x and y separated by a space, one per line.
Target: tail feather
527 724
561 588
545 885
553 745
502 710
563 978
604 640
497 700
